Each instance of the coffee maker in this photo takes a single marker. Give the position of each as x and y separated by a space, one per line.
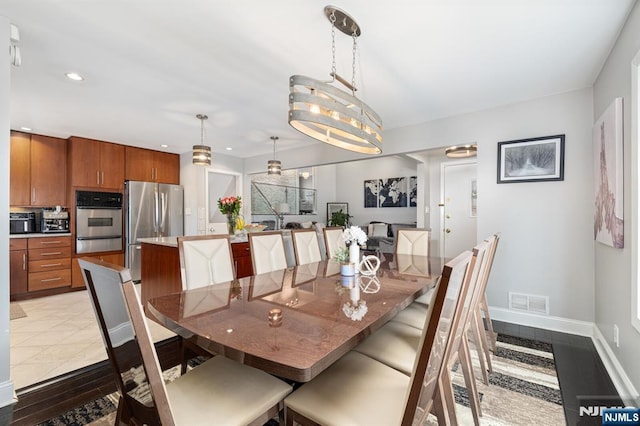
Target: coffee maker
52 221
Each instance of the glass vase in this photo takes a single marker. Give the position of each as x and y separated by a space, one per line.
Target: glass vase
354 256
231 224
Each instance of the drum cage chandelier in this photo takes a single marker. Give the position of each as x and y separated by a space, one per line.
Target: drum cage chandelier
331 115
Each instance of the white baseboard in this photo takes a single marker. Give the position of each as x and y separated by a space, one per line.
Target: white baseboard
7 394
547 322
620 380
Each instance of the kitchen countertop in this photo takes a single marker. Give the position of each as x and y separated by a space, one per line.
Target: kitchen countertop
41 235
173 241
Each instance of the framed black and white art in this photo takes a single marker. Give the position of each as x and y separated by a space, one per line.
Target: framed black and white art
531 160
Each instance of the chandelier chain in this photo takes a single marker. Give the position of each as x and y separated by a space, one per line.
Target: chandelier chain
353 65
332 18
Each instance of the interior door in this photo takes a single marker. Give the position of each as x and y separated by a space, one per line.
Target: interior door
459 201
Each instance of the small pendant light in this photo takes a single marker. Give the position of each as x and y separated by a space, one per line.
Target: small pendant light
202 152
274 167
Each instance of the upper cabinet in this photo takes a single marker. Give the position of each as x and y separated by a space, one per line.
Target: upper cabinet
152 166
96 164
38 170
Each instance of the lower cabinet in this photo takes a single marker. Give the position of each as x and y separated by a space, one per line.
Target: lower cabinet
18 267
49 263
242 259
77 281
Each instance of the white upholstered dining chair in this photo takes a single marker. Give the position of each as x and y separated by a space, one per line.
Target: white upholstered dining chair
359 390
205 260
333 240
215 392
267 251
305 246
413 241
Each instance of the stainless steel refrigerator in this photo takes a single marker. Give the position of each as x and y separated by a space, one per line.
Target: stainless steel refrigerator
151 210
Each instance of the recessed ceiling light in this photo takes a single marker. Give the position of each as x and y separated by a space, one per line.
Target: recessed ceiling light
26 129
229 148
164 145
74 76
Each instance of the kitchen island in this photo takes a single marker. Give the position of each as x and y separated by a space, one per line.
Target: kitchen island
160 265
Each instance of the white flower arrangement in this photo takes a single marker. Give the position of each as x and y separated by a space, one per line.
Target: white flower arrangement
354 234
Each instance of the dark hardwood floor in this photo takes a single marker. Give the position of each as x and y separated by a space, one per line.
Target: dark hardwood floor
582 376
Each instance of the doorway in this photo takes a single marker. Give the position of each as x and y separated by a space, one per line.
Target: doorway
459 196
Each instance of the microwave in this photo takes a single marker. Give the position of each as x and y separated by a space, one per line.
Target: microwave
22 223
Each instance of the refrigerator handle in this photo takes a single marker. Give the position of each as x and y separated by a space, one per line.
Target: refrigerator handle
163 212
156 208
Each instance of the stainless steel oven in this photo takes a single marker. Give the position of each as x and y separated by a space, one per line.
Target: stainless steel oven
98 221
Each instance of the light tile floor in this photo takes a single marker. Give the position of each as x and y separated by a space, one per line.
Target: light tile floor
59 334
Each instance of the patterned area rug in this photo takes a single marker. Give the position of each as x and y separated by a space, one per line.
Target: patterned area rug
523 390
16 311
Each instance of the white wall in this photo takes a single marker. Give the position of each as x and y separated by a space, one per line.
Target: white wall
613 278
6 386
546 228
350 179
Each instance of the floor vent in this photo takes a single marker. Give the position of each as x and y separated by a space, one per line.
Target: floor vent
529 303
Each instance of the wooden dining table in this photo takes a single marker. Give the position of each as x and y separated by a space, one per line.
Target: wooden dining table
294 323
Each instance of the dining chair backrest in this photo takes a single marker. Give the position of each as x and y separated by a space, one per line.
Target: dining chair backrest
127 340
412 241
205 260
267 251
493 242
305 246
333 240
434 347
474 275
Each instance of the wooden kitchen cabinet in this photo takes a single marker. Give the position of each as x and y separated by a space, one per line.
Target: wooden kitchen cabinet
18 267
38 175
151 166
96 164
77 281
242 259
49 263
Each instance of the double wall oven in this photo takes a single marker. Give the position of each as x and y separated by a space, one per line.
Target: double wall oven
98 221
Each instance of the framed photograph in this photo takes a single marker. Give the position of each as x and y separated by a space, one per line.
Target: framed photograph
371 188
531 160
608 226
336 207
393 192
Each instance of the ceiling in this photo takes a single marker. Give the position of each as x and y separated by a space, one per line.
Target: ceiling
151 65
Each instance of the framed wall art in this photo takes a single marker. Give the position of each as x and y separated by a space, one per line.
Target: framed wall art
531 160
413 191
371 188
608 226
336 207
393 192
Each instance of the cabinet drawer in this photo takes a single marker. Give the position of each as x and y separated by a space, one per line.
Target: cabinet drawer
240 250
49 279
17 243
49 264
49 253
49 242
